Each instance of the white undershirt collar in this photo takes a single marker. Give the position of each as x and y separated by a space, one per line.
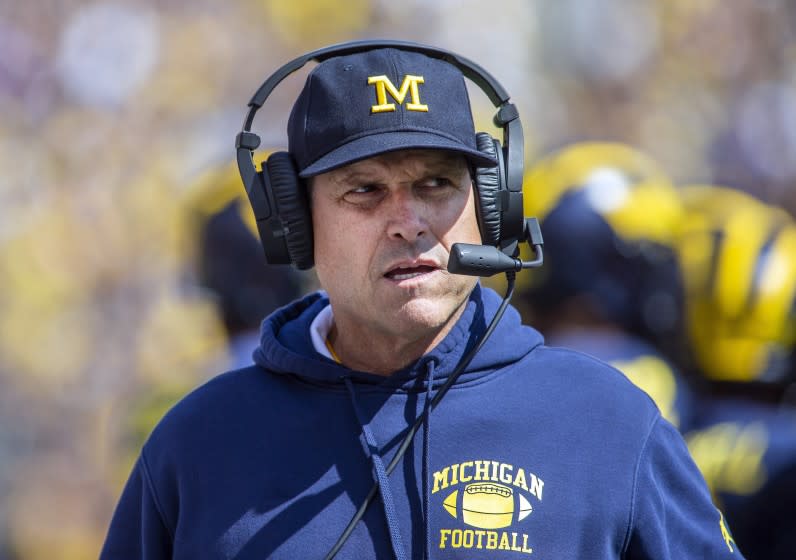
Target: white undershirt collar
319 331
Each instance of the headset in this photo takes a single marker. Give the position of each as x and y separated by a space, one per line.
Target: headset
278 195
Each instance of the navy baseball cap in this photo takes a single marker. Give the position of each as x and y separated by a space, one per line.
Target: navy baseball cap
361 105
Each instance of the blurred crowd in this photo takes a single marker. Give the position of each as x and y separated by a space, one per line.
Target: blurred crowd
661 158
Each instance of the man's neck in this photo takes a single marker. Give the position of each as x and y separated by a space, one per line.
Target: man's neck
383 353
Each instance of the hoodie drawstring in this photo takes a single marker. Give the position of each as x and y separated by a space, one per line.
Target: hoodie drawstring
372 451
427 458
382 488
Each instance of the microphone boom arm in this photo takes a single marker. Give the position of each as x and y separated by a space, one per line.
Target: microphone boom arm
486 260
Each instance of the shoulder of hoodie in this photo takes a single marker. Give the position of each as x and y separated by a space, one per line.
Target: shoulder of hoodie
573 379
222 404
229 397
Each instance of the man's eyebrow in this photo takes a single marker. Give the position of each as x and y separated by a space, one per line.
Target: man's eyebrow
446 165
452 165
352 176
450 168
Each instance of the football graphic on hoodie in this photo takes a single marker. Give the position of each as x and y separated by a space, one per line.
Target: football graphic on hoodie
487 505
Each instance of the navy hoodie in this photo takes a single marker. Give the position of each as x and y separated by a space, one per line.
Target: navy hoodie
642 363
535 452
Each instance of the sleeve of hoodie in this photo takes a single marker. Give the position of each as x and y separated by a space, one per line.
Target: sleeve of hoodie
673 515
138 530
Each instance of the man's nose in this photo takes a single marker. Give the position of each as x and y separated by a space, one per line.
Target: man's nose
406 217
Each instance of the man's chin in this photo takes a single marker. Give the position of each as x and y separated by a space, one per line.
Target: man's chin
429 313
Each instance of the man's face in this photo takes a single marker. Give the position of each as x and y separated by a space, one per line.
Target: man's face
383 230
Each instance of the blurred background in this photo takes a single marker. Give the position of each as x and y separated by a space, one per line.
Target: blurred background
118 202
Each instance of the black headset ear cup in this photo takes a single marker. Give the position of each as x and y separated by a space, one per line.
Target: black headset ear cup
487 187
292 207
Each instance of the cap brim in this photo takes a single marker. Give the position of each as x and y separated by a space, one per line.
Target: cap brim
383 142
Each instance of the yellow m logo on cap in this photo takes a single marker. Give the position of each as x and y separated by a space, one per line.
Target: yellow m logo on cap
385 86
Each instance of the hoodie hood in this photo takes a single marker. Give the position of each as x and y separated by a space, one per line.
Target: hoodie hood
286 346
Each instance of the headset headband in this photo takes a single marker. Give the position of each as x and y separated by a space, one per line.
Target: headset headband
506 117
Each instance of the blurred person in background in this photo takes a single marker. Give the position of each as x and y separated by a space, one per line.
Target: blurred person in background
610 286
738 257
534 450
230 263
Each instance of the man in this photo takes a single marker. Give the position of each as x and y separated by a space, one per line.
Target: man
534 451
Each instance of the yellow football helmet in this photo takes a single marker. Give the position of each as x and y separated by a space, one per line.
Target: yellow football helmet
214 190
608 214
621 183
738 257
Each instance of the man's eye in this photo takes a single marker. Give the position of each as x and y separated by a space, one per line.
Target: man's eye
437 182
364 194
364 189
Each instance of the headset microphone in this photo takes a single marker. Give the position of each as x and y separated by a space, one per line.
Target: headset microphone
486 260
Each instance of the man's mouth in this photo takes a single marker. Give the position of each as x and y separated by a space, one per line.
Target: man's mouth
405 273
